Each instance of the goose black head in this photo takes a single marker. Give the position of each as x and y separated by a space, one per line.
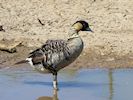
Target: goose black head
82 26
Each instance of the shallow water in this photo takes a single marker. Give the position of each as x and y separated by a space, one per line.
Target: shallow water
85 84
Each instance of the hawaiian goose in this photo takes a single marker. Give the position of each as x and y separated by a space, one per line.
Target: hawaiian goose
56 54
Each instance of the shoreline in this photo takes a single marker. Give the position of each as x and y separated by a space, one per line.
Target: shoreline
89 58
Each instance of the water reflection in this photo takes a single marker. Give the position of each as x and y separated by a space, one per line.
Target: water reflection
86 84
111 89
54 97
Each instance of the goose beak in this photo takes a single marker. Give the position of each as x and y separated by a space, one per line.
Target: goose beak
21 62
88 29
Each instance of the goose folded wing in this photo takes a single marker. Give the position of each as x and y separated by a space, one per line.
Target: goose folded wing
54 48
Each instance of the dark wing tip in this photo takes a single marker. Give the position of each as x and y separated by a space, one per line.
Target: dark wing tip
21 62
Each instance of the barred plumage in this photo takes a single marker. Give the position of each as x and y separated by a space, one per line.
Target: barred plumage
56 46
46 54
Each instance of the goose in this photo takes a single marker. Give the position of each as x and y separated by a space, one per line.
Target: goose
57 54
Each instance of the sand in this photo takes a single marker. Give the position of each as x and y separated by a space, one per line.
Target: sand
110 46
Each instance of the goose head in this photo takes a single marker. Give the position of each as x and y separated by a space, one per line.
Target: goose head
81 26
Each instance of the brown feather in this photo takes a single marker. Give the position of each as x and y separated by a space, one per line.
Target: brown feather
21 62
38 59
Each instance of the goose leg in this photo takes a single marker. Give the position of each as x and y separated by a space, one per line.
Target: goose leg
55 94
55 84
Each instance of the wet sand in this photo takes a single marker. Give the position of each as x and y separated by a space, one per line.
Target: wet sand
88 59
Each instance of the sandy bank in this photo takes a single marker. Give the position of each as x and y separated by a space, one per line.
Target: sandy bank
109 46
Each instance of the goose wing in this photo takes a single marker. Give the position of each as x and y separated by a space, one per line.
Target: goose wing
55 46
51 53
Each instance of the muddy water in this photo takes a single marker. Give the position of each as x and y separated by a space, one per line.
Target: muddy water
85 84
